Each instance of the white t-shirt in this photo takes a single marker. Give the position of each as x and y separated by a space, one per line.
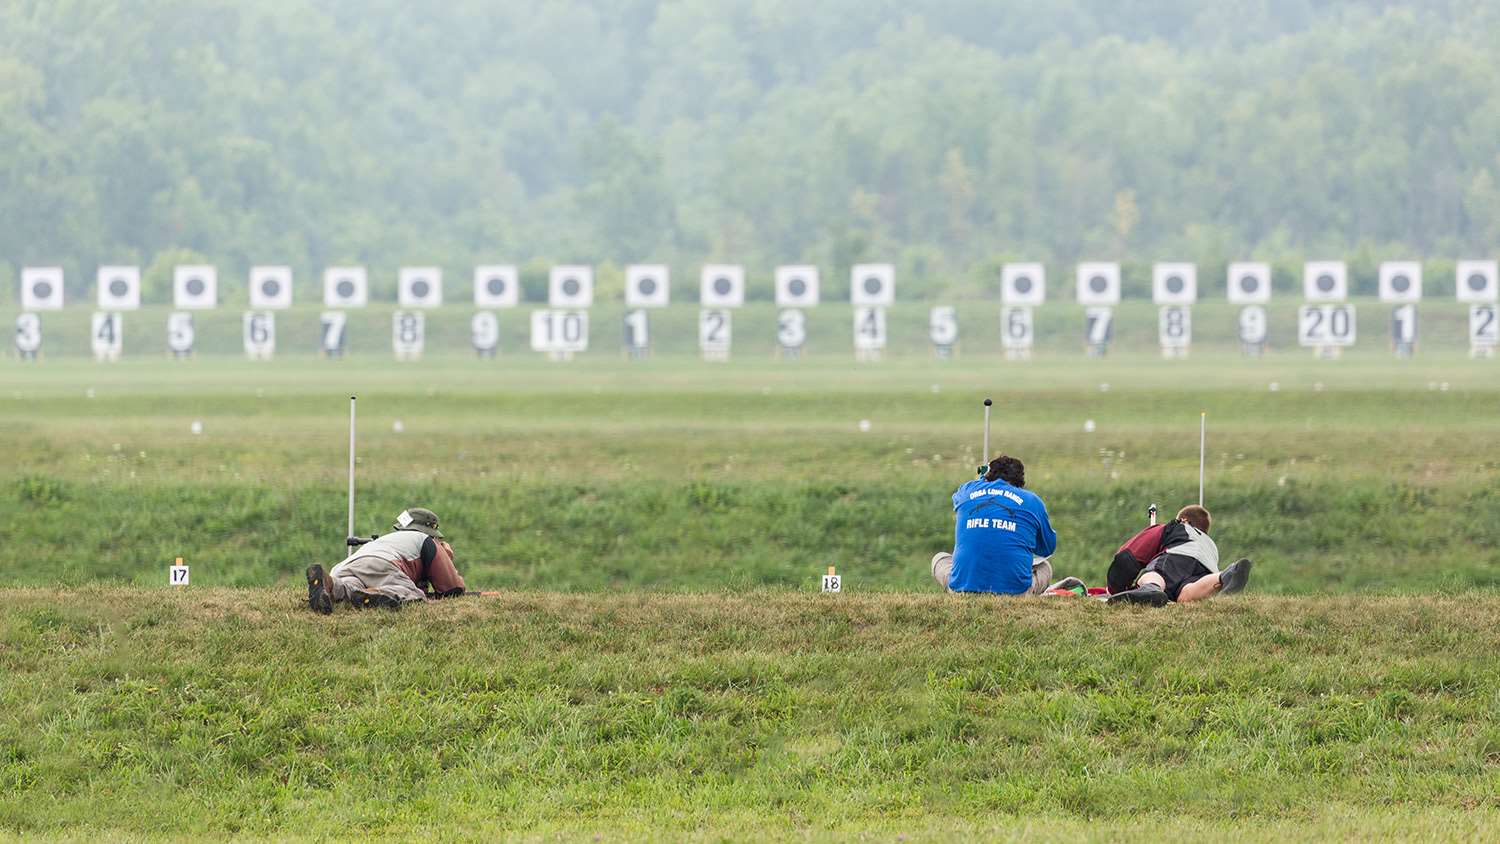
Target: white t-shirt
1199 547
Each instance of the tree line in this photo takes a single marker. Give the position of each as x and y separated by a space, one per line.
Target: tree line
946 136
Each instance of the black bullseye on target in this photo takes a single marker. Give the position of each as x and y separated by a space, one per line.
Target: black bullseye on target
1400 283
345 288
797 287
570 287
1249 283
43 289
722 286
647 286
495 286
420 288
1023 284
1326 283
195 287
872 285
1477 282
119 287
1098 284
270 287
1175 284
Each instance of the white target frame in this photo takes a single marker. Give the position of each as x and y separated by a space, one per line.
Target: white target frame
648 286
1088 295
570 287
787 277
721 286
1392 286
118 288
346 287
419 287
1174 283
1467 270
41 289
277 299
509 294
1234 287
1313 289
883 293
195 287
1023 284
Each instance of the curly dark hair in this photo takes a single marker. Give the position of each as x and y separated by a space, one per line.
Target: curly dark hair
1008 469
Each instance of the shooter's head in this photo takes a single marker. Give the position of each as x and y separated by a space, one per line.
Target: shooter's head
1008 469
1195 515
420 519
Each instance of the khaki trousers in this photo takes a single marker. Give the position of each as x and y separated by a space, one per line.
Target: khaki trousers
1041 572
372 574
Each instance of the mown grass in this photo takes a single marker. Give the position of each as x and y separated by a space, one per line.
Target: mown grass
676 474
210 712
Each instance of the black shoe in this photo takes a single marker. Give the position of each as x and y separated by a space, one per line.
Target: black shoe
1150 595
1234 578
319 596
369 600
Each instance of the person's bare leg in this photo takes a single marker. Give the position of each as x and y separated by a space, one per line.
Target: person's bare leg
1151 578
1204 587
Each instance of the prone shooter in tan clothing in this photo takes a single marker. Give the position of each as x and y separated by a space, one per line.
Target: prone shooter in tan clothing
391 570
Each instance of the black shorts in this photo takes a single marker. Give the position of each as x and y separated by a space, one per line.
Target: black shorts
1178 571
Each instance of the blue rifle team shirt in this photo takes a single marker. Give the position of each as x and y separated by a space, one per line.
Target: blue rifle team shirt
999 528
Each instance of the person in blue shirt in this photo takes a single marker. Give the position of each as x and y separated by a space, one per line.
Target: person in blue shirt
1002 538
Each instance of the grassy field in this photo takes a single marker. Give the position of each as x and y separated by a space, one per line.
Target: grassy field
659 663
215 712
1365 474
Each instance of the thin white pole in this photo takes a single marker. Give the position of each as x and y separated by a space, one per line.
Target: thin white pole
987 404
350 533
1202 451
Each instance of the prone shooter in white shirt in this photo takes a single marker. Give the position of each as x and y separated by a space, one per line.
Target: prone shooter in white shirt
1187 569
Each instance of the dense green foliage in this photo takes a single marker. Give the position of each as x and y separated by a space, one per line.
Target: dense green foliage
944 135
677 474
213 713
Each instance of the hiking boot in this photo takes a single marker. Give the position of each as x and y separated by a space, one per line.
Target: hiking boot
360 600
1150 595
319 592
1234 578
